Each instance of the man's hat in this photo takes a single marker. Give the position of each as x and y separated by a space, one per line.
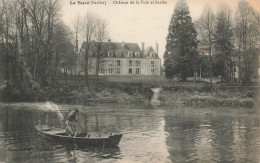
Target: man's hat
76 110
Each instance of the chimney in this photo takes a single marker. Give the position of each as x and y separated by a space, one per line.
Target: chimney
123 44
157 48
143 48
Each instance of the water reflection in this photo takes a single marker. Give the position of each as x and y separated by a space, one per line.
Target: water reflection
143 129
206 135
150 135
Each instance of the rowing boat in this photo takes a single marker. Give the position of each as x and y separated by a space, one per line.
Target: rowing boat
80 138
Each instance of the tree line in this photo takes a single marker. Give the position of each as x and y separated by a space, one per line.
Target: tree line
33 40
215 44
35 43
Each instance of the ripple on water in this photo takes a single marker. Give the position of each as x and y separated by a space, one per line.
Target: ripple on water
150 135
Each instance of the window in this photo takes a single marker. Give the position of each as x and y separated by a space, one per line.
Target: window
137 54
102 70
130 71
118 63
152 63
137 71
152 71
137 62
110 70
118 71
130 63
118 54
110 54
151 55
110 62
130 54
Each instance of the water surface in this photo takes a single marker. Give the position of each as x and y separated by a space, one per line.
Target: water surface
151 134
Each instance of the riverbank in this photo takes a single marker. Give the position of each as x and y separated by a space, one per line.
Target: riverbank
137 90
207 96
80 95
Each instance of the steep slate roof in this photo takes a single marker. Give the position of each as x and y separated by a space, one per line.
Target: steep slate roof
124 48
133 47
116 46
149 50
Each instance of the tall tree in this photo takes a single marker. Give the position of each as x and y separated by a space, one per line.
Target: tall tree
100 36
29 38
223 35
205 28
89 26
76 26
181 44
9 42
4 32
247 34
64 51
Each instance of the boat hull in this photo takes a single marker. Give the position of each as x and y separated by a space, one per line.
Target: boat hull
91 139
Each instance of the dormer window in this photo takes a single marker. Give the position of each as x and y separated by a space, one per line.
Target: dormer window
137 54
110 54
151 55
130 54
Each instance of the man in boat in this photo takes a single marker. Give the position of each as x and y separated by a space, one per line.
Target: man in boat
70 120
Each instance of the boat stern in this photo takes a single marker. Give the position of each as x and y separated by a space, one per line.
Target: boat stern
114 140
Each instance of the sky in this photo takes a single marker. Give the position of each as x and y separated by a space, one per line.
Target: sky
137 23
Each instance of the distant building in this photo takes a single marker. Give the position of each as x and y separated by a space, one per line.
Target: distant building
253 61
238 64
121 59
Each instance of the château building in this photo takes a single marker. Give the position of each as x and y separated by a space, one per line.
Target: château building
120 59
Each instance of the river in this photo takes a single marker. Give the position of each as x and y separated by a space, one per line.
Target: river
151 134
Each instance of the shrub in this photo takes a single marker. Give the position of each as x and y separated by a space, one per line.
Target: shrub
248 102
250 94
27 94
207 88
11 94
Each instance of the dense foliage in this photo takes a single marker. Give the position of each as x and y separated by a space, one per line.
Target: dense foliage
228 47
223 35
33 41
181 47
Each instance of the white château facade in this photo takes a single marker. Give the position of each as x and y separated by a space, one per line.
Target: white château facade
121 59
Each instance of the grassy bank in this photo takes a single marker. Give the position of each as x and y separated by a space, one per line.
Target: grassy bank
217 95
79 95
137 90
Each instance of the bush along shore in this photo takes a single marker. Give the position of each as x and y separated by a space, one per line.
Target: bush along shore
81 95
178 95
209 96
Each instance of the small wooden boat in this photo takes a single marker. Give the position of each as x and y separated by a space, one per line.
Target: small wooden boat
80 138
